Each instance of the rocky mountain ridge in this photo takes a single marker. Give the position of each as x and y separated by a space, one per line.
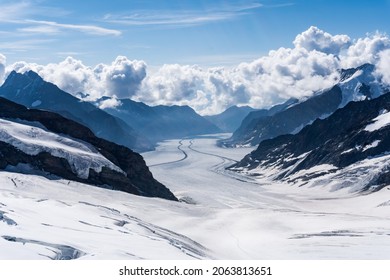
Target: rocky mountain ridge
160 123
357 135
355 84
26 139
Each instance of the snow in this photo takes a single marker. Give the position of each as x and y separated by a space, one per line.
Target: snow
351 87
228 215
354 76
32 139
36 103
347 151
379 122
322 168
372 145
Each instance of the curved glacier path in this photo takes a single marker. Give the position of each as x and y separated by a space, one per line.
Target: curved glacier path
222 214
238 216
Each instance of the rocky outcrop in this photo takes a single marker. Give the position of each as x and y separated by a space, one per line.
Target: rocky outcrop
136 179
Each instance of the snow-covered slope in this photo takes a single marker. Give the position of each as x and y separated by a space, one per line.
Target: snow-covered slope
352 144
42 142
60 219
32 139
359 83
225 216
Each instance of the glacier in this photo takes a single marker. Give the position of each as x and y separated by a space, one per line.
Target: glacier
222 214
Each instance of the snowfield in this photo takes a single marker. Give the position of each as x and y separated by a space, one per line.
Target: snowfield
381 121
223 214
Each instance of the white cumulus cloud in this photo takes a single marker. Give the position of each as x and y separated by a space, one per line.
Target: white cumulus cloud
383 66
312 64
281 74
109 103
121 78
365 50
317 39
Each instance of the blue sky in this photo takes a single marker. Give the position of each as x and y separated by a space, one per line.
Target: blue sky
207 33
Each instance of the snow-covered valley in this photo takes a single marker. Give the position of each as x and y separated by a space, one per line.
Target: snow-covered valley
223 215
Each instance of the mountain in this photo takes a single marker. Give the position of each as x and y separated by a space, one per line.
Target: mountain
230 119
349 148
30 90
162 122
46 143
247 129
355 84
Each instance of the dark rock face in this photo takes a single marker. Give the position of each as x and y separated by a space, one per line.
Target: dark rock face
137 180
230 119
162 122
30 90
340 140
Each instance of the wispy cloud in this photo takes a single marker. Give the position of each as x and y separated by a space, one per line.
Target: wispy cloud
32 13
90 29
40 29
183 17
25 45
15 12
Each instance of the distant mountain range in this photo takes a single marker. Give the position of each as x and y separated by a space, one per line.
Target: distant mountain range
159 123
230 119
46 143
132 124
289 118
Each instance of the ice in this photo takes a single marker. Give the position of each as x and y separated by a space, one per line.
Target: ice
372 145
225 215
32 140
379 122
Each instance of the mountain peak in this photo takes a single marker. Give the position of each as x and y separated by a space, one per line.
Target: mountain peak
20 80
32 75
359 83
366 68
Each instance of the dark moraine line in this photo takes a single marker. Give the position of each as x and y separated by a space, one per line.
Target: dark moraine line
209 154
175 161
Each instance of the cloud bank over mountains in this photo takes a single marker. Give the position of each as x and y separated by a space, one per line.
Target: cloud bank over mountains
313 63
